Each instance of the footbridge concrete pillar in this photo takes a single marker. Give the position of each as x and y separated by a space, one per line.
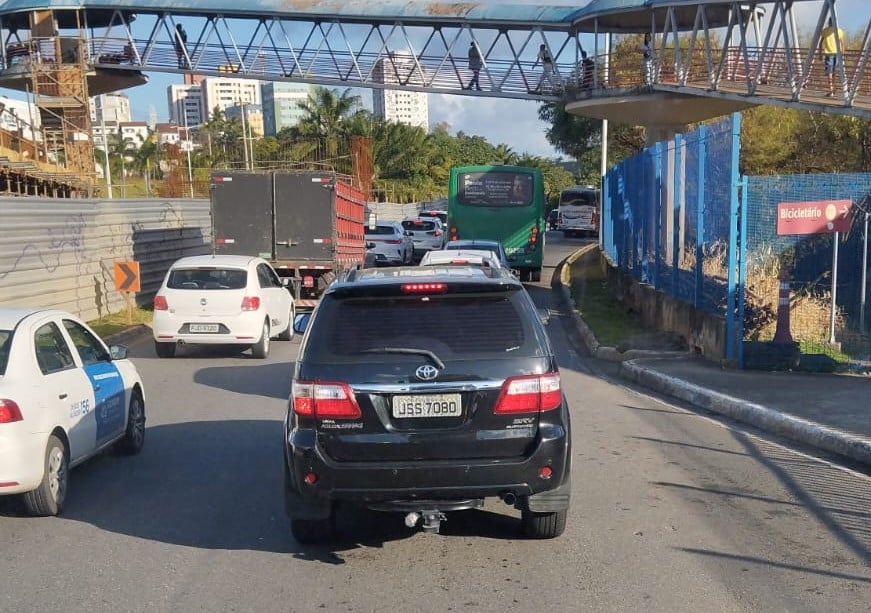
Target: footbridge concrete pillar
659 132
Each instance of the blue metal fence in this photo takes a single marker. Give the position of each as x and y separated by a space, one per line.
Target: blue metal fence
670 216
672 219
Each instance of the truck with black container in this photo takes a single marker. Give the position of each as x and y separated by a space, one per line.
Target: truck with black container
308 224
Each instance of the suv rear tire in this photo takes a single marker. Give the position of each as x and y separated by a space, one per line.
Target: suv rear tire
544 525
310 531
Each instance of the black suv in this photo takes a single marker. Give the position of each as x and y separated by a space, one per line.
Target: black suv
422 391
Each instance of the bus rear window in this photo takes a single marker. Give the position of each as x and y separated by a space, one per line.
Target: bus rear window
585 197
495 188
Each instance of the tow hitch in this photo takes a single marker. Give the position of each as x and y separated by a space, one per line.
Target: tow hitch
429 521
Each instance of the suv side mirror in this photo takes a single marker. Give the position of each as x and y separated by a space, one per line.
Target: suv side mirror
544 316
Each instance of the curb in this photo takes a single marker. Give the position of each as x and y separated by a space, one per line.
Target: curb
794 428
125 336
594 347
770 420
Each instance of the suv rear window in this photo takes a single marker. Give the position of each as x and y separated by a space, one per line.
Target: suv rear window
207 278
458 326
419 225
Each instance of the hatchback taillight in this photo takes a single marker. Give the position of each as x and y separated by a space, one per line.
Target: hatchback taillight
250 303
529 393
9 411
324 399
437 233
393 242
160 303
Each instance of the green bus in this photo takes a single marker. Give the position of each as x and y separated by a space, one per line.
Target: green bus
503 203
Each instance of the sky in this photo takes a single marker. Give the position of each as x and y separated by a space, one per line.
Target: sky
512 122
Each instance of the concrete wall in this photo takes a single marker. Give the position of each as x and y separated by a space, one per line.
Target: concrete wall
704 333
61 253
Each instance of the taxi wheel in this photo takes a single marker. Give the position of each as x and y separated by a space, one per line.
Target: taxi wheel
261 349
134 435
287 335
48 498
164 350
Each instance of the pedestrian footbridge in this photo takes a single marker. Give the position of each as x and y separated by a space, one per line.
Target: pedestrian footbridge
708 57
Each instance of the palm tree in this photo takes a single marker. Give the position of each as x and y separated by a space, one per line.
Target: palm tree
503 154
324 115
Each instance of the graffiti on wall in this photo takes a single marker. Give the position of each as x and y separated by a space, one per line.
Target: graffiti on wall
66 238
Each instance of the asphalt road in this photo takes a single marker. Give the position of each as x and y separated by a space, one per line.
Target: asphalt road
672 511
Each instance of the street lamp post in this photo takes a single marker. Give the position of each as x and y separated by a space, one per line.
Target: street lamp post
105 140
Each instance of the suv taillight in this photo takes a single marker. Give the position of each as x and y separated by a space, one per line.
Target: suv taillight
324 399
9 411
529 393
160 303
250 303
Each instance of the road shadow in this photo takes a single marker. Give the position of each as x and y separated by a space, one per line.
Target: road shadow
263 379
218 485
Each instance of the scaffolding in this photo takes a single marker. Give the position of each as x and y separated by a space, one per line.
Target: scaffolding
59 87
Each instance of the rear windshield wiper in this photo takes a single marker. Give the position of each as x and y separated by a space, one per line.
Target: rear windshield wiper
408 351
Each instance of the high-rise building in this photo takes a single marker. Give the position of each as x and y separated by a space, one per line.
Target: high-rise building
400 105
251 116
108 112
281 105
221 93
110 108
186 104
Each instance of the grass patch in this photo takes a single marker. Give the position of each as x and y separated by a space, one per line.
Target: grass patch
117 322
601 311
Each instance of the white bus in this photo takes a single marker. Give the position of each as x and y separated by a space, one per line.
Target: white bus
579 211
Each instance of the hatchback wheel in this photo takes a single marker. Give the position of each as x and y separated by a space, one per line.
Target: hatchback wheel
48 498
261 349
164 350
544 525
288 333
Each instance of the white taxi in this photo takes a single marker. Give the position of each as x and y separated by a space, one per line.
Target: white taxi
64 397
221 300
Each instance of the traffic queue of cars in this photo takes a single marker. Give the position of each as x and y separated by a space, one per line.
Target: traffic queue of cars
391 415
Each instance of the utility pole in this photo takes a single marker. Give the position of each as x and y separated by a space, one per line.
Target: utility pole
105 139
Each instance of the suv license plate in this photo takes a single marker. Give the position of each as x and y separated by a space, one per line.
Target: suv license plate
203 327
429 405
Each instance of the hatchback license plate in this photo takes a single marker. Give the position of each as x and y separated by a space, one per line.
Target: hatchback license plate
203 327
429 405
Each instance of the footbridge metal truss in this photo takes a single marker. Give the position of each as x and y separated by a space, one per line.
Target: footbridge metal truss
746 51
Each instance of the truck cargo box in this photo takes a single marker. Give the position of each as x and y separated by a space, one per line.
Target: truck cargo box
308 224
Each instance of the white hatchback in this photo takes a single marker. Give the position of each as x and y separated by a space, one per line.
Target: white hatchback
64 397
221 300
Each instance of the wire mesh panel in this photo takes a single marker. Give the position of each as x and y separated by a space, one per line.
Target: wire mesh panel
807 261
667 215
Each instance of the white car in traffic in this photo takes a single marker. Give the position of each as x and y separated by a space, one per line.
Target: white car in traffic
64 397
221 300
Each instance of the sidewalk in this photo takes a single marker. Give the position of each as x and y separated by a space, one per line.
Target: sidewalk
831 412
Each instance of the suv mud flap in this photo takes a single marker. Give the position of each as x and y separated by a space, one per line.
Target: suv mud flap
297 507
547 502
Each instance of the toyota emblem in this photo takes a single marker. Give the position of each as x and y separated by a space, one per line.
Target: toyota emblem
203 301
426 372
